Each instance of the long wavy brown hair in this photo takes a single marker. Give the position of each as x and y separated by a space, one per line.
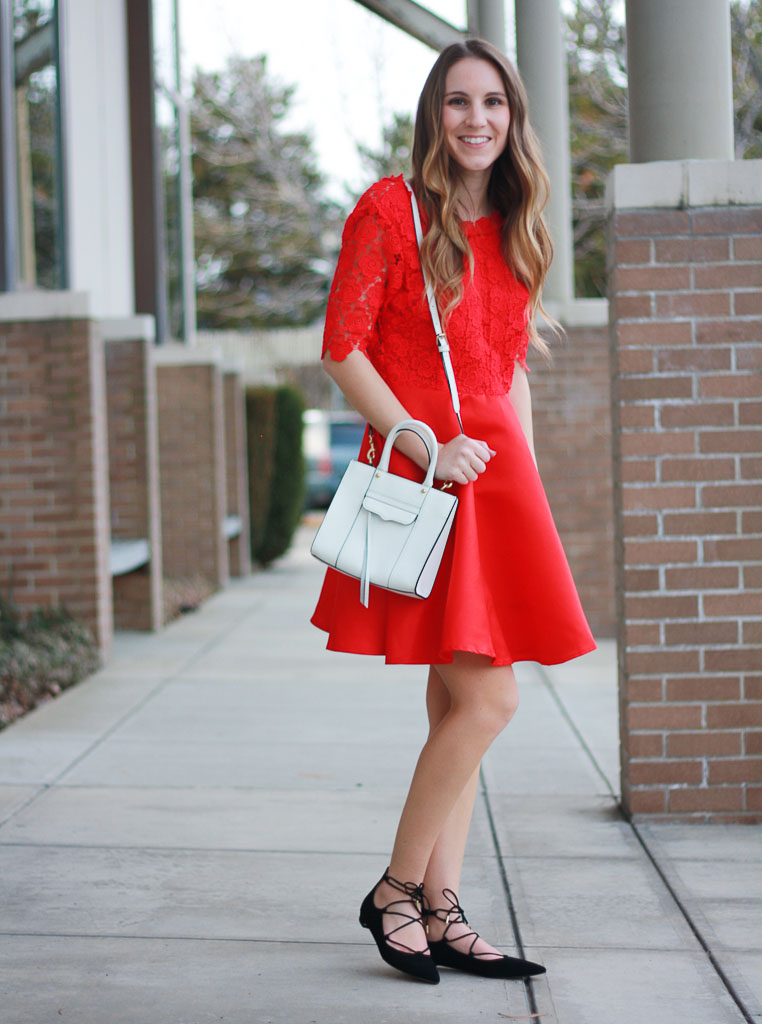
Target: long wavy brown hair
518 188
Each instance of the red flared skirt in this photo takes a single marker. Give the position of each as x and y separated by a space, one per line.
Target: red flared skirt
504 588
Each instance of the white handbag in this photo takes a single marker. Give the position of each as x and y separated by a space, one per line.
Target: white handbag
385 529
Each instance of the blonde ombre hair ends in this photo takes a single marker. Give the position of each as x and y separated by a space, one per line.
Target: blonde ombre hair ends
518 188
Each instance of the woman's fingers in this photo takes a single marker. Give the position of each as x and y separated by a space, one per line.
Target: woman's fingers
462 459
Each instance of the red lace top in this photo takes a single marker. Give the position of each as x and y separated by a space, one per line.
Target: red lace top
377 303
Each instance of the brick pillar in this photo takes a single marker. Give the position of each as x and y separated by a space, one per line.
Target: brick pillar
54 532
686 342
237 472
134 467
572 427
192 476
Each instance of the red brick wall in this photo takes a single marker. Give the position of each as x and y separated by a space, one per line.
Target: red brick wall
192 475
687 440
572 428
133 477
125 374
237 472
54 531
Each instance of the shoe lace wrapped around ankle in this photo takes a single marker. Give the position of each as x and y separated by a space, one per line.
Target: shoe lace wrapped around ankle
454 914
413 893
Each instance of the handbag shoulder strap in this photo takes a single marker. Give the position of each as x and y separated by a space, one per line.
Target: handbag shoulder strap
442 343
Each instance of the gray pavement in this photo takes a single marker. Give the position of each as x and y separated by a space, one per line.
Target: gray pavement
186 837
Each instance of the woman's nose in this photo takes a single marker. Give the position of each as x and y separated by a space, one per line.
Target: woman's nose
476 115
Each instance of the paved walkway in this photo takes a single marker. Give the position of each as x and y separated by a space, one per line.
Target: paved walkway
186 838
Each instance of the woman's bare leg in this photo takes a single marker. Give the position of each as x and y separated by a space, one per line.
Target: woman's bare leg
482 700
446 861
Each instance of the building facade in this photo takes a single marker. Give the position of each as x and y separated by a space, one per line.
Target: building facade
122 461
123 468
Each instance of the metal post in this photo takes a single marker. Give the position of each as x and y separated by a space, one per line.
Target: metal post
63 240
680 80
8 183
542 62
187 253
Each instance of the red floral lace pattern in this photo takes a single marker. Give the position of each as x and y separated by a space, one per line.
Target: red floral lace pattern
377 305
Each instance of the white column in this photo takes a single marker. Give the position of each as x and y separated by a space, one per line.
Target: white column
97 131
486 19
680 80
542 63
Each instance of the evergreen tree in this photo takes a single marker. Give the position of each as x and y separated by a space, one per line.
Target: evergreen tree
264 235
597 61
746 34
396 147
596 58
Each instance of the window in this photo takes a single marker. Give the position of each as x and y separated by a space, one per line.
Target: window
172 125
33 224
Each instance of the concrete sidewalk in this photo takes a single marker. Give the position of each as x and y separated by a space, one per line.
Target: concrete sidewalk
187 835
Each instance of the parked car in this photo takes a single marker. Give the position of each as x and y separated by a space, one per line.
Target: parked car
331 441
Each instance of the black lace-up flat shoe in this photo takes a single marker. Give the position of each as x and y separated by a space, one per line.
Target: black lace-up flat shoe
410 961
484 964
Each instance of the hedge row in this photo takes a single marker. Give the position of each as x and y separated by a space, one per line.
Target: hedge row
276 469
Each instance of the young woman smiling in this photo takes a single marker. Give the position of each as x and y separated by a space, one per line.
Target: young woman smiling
504 592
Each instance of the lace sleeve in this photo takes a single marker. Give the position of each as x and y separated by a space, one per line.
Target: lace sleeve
359 284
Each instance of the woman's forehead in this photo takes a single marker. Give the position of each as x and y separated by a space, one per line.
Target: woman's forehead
472 74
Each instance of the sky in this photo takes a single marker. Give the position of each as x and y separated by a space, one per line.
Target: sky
351 69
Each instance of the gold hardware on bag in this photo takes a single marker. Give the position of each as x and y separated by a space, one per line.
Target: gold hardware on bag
446 485
371 447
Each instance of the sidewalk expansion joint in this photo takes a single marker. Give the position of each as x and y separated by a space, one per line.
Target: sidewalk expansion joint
528 986
649 854
126 937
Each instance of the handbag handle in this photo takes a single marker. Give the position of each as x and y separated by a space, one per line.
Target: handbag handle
426 434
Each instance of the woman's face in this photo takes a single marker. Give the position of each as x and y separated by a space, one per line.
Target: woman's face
475 115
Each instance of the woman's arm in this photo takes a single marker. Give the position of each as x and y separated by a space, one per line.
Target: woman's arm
521 399
461 460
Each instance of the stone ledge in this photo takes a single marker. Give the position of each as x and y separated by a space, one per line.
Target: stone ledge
578 312
44 305
176 354
128 328
678 184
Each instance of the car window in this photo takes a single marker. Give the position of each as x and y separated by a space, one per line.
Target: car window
347 433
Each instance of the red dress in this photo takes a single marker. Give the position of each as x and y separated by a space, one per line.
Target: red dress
504 588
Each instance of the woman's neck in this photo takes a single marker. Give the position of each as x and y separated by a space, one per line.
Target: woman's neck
471 194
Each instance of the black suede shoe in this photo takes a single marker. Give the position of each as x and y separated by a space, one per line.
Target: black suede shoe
415 963
484 964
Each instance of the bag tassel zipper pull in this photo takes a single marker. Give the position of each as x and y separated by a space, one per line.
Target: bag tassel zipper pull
365 574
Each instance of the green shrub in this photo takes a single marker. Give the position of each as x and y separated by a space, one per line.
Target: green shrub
286 492
260 435
39 657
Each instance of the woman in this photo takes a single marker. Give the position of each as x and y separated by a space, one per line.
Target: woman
504 592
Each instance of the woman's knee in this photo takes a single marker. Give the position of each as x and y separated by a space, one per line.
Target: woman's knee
482 690
501 703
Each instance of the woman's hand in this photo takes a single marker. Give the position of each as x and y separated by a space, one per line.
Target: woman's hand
462 459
